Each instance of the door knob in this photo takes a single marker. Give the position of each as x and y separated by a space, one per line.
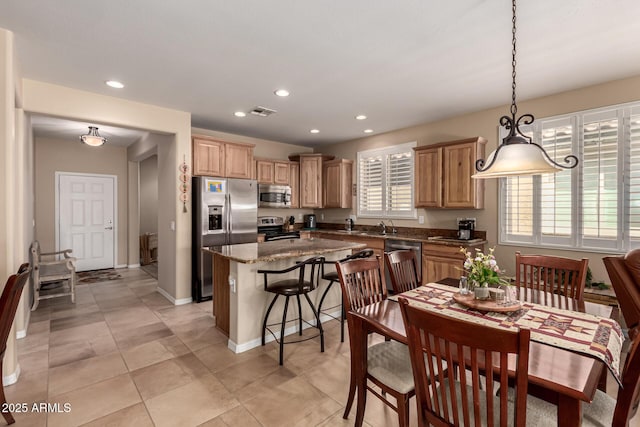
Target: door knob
108 228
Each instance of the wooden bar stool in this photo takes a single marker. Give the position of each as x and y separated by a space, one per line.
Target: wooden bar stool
289 288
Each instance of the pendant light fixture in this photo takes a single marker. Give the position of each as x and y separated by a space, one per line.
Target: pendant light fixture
93 138
518 155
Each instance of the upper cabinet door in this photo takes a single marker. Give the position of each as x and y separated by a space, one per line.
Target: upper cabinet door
460 190
311 181
265 171
281 173
337 184
294 182
208 157
238 160
428 173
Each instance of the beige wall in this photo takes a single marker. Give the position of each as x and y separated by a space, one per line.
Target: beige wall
149 195
55 155
485 123
49 99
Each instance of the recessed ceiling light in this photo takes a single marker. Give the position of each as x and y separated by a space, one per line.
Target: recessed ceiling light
282 92
361 117
368 130
240 114
314 131
114 84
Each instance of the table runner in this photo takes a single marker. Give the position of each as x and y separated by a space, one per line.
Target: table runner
571 330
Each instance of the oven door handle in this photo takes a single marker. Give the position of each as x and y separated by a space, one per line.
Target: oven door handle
271 239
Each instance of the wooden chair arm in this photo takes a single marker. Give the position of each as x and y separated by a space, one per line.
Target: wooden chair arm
66 253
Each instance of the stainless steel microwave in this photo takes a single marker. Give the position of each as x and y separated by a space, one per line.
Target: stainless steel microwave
274 196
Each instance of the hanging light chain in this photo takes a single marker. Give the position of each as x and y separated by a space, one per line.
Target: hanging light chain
514 107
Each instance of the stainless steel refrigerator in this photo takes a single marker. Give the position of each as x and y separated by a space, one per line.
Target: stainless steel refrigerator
225 212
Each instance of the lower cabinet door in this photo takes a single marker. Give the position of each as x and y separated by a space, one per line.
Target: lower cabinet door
437 268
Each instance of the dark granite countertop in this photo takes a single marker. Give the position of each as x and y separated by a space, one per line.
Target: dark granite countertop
439 240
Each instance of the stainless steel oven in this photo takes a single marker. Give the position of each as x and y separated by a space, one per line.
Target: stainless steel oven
274 196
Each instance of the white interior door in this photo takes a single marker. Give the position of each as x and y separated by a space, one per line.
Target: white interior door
86 219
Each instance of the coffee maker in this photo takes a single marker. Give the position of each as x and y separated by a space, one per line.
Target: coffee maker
310 222
465 228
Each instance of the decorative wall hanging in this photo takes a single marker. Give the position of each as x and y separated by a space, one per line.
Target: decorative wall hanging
184 183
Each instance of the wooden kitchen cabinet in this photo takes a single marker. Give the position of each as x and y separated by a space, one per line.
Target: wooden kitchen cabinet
311 181
294 182
443 175
208 157
337 175
428 172
441 261
264 171
281 173
212 157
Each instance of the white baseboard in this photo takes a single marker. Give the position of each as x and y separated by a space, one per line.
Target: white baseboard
246 346
12 378
23 333
173 301
120 266
133 265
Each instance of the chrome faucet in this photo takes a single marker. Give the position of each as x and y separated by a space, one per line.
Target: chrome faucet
383 228
393 227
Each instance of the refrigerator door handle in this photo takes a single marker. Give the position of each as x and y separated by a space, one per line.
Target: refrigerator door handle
229 218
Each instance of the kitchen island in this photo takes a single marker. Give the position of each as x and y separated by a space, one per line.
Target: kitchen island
239 299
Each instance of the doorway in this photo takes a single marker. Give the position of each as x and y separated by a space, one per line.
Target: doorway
85 218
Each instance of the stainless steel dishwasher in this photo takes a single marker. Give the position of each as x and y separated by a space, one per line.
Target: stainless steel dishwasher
391 245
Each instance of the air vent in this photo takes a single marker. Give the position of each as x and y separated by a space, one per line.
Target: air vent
262 111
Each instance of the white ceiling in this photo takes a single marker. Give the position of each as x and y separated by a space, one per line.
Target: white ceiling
399 62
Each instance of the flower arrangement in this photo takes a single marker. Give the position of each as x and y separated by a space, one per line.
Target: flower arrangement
482 269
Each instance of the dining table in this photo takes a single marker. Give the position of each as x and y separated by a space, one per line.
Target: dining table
558 375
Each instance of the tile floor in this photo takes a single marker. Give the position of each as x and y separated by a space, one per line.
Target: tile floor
124 356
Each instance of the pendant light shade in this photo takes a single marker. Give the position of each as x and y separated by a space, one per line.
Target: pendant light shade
93 138
518 154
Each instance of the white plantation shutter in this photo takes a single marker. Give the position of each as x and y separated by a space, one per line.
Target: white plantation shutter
600 180
517 196
399 198
370 185
385 182
555 188
595 206
633 186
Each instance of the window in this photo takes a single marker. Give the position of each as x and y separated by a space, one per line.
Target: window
595 206
385 182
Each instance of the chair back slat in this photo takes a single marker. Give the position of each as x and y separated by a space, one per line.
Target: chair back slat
403 270
9 303
473 353
361 282
556 275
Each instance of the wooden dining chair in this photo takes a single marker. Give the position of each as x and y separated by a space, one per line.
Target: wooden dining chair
624 272
8 306
403 270
332 277
387 363
456 397
564 276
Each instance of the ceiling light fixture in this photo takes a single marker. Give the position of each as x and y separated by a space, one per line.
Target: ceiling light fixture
240 114
93 138
114 84
368 130
282 92
518 155
361 117
314 131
